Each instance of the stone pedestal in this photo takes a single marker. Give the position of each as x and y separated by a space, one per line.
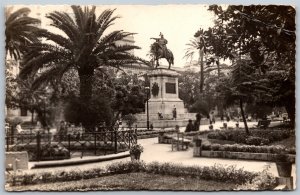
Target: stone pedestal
164 98
197 147
164 92
16 160
285 183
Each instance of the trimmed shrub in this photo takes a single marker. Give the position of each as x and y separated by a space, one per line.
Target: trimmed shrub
263 181
213 135
257 137
252 140
216 173
278 149
126 167
215 147
206 146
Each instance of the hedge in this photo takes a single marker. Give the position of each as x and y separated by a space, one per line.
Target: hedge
248 148
256 137
216 173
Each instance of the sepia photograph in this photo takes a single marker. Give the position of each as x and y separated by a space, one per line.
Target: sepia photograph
170 97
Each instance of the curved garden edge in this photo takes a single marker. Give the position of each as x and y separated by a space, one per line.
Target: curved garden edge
80 161
239 155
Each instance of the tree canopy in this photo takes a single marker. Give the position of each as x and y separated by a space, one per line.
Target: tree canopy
265 37
20 31
83 47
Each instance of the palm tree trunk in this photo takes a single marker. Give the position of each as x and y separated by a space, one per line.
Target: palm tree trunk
201 70
243 116
86 83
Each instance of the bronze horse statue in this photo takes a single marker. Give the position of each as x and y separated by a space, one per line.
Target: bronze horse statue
157 52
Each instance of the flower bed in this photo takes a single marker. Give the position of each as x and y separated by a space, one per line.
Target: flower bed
216 173
248 148
57 151
236 151
257 137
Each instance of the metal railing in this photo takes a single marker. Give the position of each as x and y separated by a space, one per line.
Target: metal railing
41 146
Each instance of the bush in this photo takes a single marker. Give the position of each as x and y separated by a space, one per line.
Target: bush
54 151
213 135
89 113
126 167
206 146
216 173
136 149
215 147
257 137
200 106
248 148
130 120
251 140
263 181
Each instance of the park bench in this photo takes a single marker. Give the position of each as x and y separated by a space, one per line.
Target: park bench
263 124
180 143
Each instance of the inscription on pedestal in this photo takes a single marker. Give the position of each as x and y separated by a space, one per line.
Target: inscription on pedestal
171 88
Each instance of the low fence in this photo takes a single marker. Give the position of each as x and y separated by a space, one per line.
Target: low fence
44 146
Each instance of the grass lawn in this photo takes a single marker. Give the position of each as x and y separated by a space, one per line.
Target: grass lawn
131 181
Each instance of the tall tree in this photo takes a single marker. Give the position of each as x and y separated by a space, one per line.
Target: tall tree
20 31
82 47
197 45
266 34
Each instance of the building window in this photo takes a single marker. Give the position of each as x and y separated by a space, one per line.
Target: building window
23 111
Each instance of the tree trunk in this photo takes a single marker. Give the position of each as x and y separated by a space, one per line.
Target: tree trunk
218 66
201 70
41 117
32 114
291 110
243 116
86 84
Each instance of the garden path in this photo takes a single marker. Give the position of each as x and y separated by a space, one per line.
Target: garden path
163 153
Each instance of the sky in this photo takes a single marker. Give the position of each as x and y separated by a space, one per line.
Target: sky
178 23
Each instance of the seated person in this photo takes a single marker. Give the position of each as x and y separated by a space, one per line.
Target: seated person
160 116
190 126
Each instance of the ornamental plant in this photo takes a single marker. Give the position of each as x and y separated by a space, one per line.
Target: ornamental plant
136 149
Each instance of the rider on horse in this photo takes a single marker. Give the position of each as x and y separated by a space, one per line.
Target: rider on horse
162 43
159 50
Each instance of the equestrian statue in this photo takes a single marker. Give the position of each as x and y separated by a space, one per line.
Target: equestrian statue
159 50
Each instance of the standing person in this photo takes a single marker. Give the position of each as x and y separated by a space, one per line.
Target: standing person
227 117
222 117
62 130
174 113
151 126
190 126
19 128
197 122
213 117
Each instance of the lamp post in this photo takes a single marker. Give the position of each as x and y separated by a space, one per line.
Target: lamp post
147 110
44 111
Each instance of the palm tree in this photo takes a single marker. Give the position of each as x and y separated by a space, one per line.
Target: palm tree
197 45
33 100
20 30
83 47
